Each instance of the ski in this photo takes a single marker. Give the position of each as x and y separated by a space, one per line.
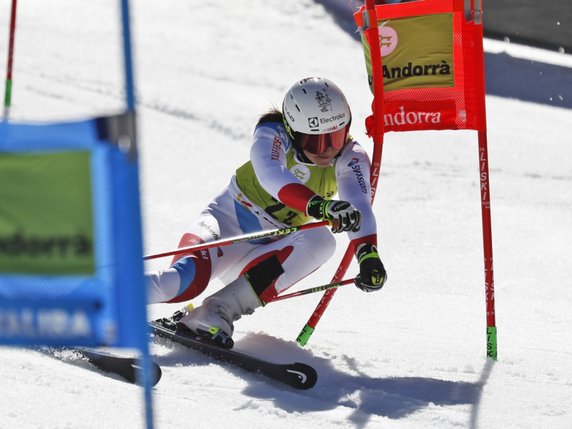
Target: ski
297 375
125 367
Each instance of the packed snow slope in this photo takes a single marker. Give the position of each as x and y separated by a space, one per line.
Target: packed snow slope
410 356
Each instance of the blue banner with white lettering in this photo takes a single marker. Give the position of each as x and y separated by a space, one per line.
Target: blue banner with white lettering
71 267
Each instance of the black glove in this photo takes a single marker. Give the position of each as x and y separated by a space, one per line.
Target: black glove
341 214
372 273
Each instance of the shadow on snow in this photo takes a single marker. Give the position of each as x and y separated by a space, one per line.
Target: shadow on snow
391 397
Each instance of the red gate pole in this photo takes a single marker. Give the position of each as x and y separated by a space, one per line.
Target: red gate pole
8 87
487 246
372 35
491 332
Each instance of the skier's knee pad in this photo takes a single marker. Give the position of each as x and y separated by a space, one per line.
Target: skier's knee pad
263 275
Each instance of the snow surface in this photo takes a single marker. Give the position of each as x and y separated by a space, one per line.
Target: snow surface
411 356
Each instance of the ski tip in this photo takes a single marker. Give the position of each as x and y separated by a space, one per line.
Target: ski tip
137 374
156 374
136 377
302 376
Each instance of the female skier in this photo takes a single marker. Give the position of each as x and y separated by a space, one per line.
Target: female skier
300 158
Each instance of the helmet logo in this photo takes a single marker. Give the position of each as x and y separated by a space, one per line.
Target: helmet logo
324 101
313 122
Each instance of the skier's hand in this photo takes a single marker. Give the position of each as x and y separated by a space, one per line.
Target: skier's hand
372 273
341 214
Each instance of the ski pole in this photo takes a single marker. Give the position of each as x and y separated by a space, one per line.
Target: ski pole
313 290
238 239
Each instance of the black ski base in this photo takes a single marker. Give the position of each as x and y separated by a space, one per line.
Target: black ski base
126 367
297 375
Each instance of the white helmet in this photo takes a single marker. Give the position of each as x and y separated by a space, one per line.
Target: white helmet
316 115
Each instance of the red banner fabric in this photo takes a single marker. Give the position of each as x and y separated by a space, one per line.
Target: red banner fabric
432 60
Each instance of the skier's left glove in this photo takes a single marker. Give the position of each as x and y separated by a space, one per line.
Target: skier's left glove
372 275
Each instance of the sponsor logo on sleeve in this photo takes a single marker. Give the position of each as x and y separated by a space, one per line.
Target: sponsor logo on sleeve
355 165
275 151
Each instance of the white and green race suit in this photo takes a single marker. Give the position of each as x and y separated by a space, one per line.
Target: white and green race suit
269 191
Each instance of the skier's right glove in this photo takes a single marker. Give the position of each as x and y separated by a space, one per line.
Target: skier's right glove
341 214
372 275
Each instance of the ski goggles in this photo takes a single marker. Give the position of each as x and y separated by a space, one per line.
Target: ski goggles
318 143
